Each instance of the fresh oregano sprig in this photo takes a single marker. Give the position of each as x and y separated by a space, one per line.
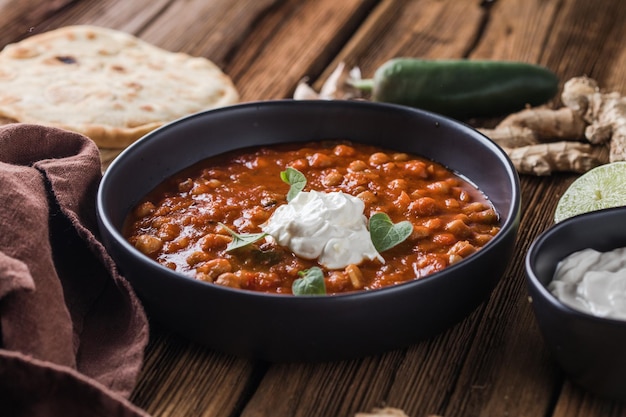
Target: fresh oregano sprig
385 234
243 239
311 282
295 179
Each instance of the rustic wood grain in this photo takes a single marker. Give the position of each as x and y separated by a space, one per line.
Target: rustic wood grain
128 16
19 19
219 27
306 35
180 378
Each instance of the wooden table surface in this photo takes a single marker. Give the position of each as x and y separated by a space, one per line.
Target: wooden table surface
494 363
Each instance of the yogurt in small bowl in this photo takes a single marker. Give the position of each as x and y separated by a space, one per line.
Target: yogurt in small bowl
576 280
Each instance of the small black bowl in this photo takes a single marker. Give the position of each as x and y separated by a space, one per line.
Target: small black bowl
288 328
591 350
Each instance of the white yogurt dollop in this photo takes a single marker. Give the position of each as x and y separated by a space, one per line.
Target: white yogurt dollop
329 227
594 282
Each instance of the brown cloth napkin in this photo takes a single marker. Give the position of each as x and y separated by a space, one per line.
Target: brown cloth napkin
72 331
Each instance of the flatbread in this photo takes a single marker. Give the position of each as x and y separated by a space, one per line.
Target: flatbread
108 85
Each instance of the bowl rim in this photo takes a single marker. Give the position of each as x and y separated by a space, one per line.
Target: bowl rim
511 222
541 288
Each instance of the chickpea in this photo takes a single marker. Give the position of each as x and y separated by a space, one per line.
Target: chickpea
463 217
439 187
332 178
378 158
400 157
458 228
260 162
213 183
356 166
462 248
451 203
398 184
433 224
196 257
144 209
389 167
482 239
299 164
454 258
416 168
176 245
228 279
212 241
419 232
214 268
256 215
446 239
474 207
170 265
368 197
486 216
201 188
464 197
425 206
168 231
319 160
148 244
403 201
344 150
185 186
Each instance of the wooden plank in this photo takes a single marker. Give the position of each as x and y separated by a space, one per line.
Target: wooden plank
292 41
18 19
588 39
582 404
213 29
325 389
128 16
180 378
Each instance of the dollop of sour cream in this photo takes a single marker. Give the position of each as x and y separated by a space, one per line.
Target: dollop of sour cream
594 282
329 227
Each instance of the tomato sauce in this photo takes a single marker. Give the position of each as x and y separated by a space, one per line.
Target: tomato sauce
178 223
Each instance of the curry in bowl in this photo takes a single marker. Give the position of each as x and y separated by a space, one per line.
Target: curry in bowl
272 325
323 217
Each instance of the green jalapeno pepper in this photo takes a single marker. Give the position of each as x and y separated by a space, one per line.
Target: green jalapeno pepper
461 88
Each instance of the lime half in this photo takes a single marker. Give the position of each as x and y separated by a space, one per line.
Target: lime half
601 187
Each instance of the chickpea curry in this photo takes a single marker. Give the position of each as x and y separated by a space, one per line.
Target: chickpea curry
188 222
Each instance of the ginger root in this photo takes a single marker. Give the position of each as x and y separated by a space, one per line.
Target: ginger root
548 125
590 130
546 158
605 114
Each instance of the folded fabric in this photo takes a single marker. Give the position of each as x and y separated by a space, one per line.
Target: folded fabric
72 331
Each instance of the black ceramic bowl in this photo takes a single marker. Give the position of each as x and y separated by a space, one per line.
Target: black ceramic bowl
589 349
288 328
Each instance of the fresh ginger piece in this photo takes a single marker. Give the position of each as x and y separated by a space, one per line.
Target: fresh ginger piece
548 125
605 114
565 156
511 136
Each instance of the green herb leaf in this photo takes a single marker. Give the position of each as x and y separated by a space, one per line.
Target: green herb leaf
385 234
311 283
240 240
295 179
